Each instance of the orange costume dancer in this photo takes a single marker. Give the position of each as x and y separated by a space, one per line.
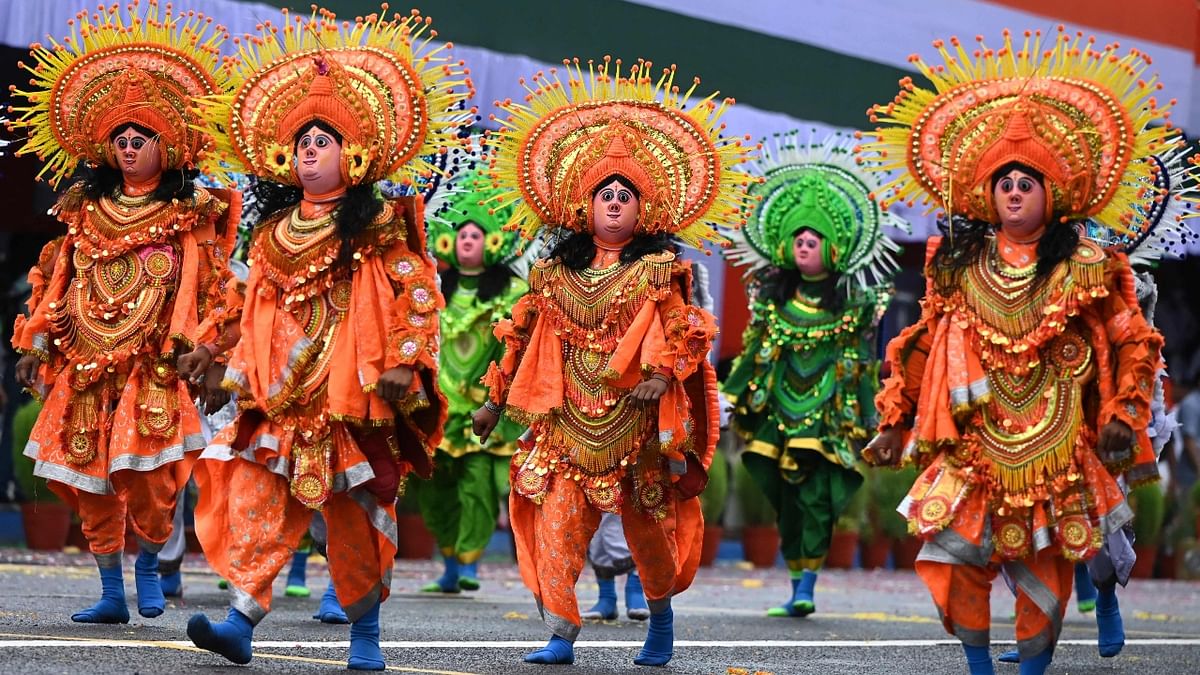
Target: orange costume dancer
605 356
336 369
1025 386
140 278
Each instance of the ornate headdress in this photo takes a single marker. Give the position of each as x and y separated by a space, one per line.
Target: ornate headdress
116 68
393 99
817 186
468 198
553 151
1082 116
1167 203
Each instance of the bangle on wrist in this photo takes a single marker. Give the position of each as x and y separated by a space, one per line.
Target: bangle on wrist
662 377
493 408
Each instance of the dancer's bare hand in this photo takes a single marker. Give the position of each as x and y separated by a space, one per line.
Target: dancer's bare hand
394 383
1115 443
193 365
214 397
884 449
26 370
483 423
649 391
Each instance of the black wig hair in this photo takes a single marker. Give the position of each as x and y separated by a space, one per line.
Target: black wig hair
577 250
106 181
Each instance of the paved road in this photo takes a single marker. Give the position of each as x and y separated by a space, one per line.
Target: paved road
868 622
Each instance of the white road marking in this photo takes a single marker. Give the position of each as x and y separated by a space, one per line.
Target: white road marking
529 644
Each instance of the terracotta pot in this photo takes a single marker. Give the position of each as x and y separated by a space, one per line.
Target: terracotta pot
416 543
904 552
46 525
875 553
760 544
1167 564
841 550
1147 554
712 543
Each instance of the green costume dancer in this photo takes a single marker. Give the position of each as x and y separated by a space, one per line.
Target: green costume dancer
461 502
803 387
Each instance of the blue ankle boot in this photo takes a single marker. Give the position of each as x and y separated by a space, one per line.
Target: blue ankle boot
660 640
111 608
365 653
1108 620
1085 590
979 660
297 579
468 576
151 602
635 598
229 638
557 651
448 582
1037 665
330 610
171 584
605 608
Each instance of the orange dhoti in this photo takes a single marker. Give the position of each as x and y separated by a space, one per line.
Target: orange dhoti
552 543
249 521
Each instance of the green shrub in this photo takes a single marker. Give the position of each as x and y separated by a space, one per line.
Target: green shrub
33 488
756 508
712 500
1148 506
890 488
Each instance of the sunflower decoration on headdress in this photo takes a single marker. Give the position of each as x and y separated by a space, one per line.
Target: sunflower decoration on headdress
817 186
1167 203
553 150
143 65
469 197
393 97
1084 116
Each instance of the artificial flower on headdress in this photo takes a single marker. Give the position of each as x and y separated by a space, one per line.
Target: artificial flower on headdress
468 197
817 186
1085 117
555 149
394 98
142 65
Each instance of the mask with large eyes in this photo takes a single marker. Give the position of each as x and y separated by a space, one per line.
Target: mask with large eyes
319 161
1020 201
468 246
806 251
137 155
614 212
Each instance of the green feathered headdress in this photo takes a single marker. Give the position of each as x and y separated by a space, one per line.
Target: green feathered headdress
817 186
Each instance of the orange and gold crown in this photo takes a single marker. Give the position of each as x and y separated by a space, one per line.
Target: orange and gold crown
116 68
1085 117
393 98
555 149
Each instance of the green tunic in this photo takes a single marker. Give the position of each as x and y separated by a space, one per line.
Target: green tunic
803 393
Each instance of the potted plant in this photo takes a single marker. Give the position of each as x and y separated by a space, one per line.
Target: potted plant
44 516
1147 502
847 530
760 537
712 505
876 544
415 541
891 486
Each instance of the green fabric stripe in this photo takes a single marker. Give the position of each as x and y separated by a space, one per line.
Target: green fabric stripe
763 71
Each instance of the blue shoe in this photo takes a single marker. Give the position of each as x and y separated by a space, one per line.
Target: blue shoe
605 608
111 608
330 610
635 598
1108 620
791 608
297 584
365 653
556 652
229 638
979 660
1010 656
151 602
171 584
468 576
448 582
660 640
1085 590
1037 665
